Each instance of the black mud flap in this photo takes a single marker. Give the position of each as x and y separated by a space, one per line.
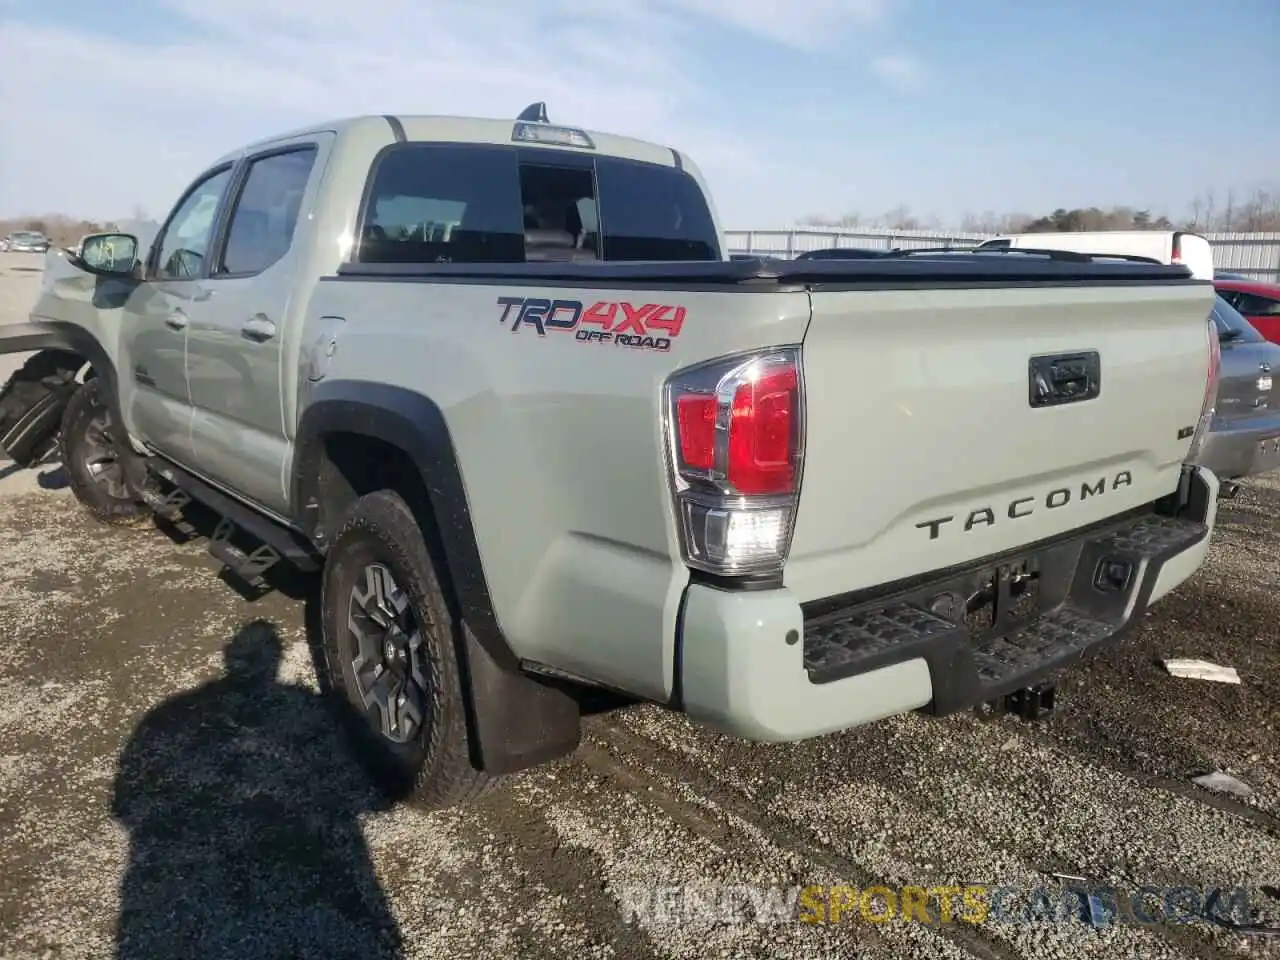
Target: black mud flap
32 404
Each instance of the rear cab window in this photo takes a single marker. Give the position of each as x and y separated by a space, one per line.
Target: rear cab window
475 203
653 213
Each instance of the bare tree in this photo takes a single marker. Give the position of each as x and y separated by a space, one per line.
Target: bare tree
849 221
1260 212
59 228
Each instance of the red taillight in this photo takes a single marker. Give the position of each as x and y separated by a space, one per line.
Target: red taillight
1209 404
1215 367
696 426
762 434
736 445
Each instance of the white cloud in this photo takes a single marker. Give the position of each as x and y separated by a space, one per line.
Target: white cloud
807 24
117 121
900 71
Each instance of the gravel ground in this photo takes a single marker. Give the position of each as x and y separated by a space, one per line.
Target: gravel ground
169 777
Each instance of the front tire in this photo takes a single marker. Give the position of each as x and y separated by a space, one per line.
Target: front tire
90 455
388 637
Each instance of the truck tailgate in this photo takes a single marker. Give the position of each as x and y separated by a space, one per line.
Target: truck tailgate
923 448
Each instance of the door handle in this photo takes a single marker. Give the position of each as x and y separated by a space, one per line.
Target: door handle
176 320
259 329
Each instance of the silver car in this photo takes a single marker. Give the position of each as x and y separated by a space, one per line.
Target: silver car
27 241
1245 437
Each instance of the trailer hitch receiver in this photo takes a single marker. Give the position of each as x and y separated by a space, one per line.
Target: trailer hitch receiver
1030 703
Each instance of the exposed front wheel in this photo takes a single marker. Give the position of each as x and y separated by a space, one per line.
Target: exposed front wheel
389 646
90 456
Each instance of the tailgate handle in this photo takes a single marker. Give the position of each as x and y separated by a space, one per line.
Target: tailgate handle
1064 378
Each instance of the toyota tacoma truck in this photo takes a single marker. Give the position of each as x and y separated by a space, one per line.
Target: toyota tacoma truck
499 386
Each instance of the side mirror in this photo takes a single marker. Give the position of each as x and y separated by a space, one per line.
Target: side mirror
115 254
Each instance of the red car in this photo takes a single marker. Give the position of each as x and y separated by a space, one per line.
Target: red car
1258 301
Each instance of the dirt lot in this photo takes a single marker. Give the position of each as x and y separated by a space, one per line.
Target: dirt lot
198 800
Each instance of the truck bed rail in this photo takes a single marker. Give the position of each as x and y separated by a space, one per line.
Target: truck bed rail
963 269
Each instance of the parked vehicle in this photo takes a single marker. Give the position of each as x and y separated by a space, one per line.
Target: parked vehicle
498 383
27 241
1259 303
1162 246
1244 437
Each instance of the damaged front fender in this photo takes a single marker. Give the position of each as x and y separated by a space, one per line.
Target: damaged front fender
73 318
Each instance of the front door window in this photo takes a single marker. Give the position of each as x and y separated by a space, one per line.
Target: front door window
186 239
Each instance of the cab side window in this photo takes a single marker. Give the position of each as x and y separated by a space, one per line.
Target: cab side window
1230 296
1255 306
186 238
266 212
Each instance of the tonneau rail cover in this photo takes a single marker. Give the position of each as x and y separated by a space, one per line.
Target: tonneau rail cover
965 269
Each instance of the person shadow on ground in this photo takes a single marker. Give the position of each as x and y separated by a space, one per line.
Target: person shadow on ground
241 800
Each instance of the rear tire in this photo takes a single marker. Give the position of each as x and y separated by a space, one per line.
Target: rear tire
389 642
89 439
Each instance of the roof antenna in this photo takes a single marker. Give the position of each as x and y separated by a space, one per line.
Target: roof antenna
534 113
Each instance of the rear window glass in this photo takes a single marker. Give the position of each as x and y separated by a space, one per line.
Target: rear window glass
455 203
653 213
434 203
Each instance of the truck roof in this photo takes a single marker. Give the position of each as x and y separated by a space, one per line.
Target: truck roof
434 127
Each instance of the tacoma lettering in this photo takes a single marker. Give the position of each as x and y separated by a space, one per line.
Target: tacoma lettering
985 516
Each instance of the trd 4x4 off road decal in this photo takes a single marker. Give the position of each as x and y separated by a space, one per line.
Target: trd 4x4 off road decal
649 326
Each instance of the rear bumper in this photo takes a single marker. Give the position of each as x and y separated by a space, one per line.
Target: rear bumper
758 665
1233 450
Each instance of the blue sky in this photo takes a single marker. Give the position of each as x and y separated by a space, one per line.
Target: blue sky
791 109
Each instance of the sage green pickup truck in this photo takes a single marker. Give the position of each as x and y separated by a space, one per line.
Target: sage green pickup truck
499 385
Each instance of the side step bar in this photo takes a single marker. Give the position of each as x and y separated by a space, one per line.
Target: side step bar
269 542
